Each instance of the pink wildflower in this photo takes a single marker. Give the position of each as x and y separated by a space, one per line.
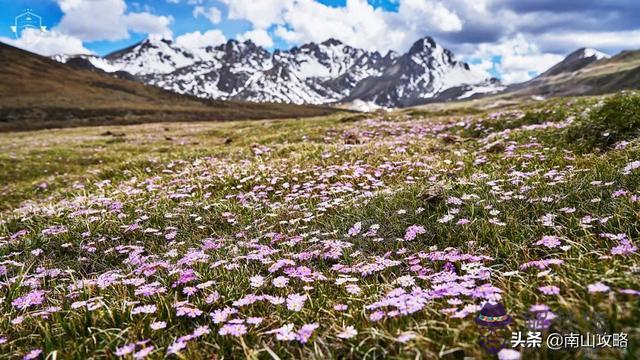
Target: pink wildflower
126 349
348 333
549 290
280 281
340 307
508 354
305 332
284 333
158 325
549 241
355 229
33 354
413 231
598 287
236 330
295 302
256 281
406 337
146 309
33 298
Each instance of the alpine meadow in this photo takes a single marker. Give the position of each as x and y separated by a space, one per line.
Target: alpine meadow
173 192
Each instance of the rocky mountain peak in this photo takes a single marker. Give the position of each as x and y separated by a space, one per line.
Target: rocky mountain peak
426 44
332 42
316 73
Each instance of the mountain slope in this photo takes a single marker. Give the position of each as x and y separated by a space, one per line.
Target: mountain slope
424 72
584 72
37 92
598 75
328 72
575 61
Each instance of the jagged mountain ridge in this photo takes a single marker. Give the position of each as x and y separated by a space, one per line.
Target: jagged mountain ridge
424 72
328 72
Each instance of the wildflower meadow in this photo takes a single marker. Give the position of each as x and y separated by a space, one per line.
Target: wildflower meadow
375 235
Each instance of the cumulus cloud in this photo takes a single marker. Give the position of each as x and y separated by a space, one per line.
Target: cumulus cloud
440 17
259 37
607 41
94 20
261 14
358 23
526 36
518 58
196 39
145 22
213 13
513 38
47 43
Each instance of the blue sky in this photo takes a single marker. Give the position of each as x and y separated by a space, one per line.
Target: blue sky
182 12
510 39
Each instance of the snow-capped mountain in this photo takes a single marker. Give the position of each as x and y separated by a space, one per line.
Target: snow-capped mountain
423 73
152 56
219 72
575 61
584 71
93 60
328 72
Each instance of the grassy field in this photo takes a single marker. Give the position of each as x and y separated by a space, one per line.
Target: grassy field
346 236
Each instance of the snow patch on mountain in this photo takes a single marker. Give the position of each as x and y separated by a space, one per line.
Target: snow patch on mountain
328 72
96 61
152 56
599 55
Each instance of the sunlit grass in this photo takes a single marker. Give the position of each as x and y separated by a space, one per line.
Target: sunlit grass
218 204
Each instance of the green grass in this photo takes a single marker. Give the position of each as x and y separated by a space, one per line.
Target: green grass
615 120
294 188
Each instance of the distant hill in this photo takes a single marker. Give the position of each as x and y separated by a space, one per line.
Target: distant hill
37 92
575 61
583 72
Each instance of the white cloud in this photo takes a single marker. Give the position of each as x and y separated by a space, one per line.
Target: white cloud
190 2
287 35
261 14
483 66
48 43
148 23
518 57
94 20
259 37
434 13
68 5
528 42
196 39
357 23
605 40
213 13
